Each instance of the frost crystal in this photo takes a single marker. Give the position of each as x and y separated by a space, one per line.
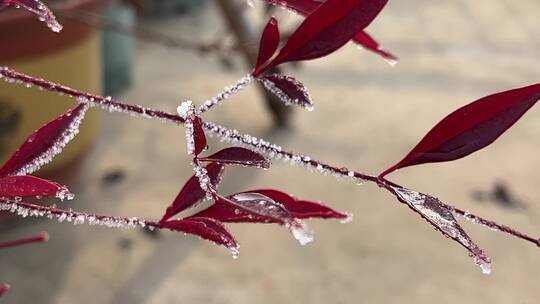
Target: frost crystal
273 82
227 92
23 209
301 232
185 109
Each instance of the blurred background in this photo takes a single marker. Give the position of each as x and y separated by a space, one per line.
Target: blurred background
368 114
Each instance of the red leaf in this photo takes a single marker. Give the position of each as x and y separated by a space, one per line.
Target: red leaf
46 142
239 156
291 91
259 206
227 212
254 207
191 193
328 28
4 287
367 42
306 7
198 135
206 228
269 43
298 209
12 186
39 9
301 209
440 216
471 127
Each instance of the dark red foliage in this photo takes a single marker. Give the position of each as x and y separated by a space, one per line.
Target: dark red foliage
40 141
247 207
192 193
306 7
238 156
198 135
368 42
301 209
12 186
269 42
288 89
471 128
326 29
206 228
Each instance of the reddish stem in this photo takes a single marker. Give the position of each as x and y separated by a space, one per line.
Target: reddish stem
39 238
77 217
232 135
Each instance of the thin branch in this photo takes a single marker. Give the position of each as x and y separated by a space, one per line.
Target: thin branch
39 238
76 217
259 145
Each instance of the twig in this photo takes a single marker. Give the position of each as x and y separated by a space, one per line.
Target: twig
260 145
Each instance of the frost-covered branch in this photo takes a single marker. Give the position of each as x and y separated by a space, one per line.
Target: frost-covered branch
260 145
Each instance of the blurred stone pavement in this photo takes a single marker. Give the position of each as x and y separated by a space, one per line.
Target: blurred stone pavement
367 116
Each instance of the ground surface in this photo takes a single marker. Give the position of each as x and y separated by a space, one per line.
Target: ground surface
367 116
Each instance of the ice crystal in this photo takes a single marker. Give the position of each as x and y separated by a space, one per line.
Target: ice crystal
23 209
227 92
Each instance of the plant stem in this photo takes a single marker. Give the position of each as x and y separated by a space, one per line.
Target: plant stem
76 217
39 238
260 145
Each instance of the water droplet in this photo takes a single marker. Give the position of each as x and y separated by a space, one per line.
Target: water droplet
301 232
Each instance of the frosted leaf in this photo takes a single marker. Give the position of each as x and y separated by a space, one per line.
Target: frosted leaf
45 143
289 90
441 217
195 136
262 205
206 228
204 181
238 156
266 208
